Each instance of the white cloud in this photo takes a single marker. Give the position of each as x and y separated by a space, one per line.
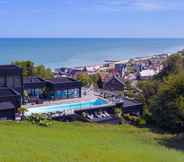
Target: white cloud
141 5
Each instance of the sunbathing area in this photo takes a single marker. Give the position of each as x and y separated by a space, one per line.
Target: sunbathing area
98 116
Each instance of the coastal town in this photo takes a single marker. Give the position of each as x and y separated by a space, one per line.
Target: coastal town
128 70
97 99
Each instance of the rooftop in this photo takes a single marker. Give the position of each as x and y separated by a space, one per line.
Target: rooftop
61 80
33 79
9 69
128 103
63 83
149 72
9 66
34 82
120 80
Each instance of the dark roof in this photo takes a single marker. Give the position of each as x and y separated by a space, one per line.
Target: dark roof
64 83
33 79
119 79
129 103
116 78
11 66
61 80
10 69
6 106
132 106
34 82
114 84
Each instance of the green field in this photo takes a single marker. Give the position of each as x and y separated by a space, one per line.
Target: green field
80 142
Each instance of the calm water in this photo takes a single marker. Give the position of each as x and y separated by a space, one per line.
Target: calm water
75 52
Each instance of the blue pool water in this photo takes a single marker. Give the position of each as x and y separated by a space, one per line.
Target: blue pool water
68 106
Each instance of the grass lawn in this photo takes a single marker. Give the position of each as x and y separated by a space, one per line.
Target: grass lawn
80 142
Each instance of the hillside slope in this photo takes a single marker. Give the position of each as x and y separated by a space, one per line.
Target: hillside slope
79 142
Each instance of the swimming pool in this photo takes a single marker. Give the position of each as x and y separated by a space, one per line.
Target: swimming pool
68 106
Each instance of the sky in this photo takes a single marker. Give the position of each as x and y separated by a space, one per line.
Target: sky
91 18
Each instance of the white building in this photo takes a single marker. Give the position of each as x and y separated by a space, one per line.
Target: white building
147 74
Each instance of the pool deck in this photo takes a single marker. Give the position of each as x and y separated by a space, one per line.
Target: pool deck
57 102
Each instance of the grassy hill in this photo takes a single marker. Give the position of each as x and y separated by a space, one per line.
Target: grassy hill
79 142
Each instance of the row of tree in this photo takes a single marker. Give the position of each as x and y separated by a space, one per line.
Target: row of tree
164 96
30 69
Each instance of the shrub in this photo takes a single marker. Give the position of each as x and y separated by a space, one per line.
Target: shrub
40 119
167 107
22 111
141 121
136 120
118 112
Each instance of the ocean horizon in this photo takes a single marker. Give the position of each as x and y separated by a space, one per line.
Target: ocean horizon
70 52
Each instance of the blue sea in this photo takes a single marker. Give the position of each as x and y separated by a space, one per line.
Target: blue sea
57 52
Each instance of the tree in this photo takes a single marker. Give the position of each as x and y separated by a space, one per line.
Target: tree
163 97
99 81
43 72
118 112
167 107
85 79
29 69
149 88
27 66
173 65
22 111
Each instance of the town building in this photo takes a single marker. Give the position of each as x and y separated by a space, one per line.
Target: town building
115 83
16 90
11 90
63 88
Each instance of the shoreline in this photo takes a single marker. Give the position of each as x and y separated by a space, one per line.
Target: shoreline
54 53
175 50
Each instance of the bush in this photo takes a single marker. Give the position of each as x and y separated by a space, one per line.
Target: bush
167 107
141 121
22 111
40 119
118 112
44 123
136 120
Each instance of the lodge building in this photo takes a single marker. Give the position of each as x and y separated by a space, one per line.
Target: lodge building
16 90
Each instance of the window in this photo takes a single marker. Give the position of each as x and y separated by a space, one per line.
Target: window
10 81
2 81
73 93
61 94
34 92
